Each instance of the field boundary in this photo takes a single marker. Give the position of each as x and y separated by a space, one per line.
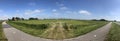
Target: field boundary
3 36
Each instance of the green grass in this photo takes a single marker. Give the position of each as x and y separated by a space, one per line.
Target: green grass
42 28
114 34
2 36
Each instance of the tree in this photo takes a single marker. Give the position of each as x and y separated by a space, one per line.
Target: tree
36 18
33 18
17 18
114 20
22 19
13 19
102 20
9 19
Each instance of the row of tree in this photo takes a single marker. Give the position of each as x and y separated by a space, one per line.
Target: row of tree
99 20
18 18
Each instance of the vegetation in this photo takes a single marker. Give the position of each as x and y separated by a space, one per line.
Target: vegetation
114 34
2 36
16 19
103 20
56 29
33 18
99 20
115 21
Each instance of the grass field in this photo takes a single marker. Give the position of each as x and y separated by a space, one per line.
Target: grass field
2 36
56 29
114 34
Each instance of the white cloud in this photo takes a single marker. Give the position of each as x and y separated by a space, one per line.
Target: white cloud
3 17
85 12
68 11
17 10
63 8
27 12
115 14
37 11
1 10
59 4
32 4
54 10
71 12
55 13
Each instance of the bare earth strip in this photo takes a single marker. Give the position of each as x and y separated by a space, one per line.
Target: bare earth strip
16 35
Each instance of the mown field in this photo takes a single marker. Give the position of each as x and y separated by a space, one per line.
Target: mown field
57 29
2 36
114 34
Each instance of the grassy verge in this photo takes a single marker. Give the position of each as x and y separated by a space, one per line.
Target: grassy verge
51 29
2 36
114 34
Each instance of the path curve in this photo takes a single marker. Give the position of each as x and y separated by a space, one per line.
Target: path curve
16 35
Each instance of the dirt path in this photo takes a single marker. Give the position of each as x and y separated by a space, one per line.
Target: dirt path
16 35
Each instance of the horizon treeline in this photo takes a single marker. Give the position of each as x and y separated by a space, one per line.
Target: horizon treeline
34 18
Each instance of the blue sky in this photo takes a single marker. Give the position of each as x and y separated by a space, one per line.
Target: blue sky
75 9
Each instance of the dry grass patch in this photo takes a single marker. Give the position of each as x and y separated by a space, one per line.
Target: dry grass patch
58 30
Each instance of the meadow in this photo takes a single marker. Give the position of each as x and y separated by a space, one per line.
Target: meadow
2 36
114 33
57 29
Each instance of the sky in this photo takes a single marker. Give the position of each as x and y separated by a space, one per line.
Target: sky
73 9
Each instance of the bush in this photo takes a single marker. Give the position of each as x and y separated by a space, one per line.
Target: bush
103 20
33 18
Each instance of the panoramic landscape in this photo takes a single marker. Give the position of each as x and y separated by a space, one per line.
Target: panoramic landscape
59 20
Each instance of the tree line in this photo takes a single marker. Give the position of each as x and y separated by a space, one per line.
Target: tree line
32 18
99 20
18 18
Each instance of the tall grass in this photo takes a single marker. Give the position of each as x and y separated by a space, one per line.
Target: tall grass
33 29
83 29
59 29
2 36
114 33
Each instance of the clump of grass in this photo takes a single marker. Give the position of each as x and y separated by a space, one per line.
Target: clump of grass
114 34
58 30
2 36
